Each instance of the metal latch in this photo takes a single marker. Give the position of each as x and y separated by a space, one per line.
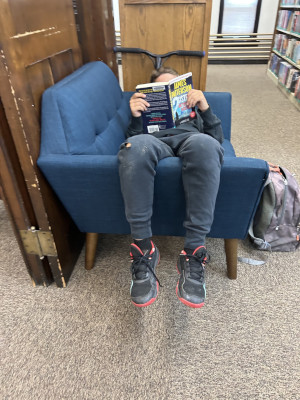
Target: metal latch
38 242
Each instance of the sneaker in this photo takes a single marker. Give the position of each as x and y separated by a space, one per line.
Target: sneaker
144 284
191 285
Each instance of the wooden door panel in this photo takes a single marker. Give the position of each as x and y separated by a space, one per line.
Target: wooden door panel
160 27
40 77
41 28
17 202
44 73
144 2
96 31
62 64
39 46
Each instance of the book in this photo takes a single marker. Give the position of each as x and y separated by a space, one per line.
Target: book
295 27
274 63
168 108
285 19
283 72
279 39
297 89
296 53
284 45
290 2
290 48
292 79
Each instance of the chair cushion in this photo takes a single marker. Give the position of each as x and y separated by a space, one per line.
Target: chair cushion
89 188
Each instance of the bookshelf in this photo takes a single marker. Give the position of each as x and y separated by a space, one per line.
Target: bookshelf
284 62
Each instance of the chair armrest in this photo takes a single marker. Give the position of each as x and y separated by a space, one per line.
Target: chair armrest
78 169
220 103
241 186
89 188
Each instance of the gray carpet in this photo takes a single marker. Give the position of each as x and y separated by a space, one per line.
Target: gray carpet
87 342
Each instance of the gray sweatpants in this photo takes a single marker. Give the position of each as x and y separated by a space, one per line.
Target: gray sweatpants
202 157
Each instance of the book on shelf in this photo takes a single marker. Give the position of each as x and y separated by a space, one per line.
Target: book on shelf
295 27
289 47
279 40
283 72
274 63
168 103
284 45
289 20
296 52
297 90
290 2
285 19
293 51
292 79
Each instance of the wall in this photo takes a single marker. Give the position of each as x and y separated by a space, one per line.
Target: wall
215 16
115 4
268 16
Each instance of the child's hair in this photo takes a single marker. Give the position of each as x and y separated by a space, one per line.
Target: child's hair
163 70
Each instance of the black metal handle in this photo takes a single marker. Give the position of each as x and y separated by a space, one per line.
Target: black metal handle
129 50
157 58
190 53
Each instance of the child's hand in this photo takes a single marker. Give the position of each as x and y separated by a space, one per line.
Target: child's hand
197 98
138 104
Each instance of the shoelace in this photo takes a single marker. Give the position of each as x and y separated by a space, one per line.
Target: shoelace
196 261
138 263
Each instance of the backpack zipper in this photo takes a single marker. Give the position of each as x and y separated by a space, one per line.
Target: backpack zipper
284 203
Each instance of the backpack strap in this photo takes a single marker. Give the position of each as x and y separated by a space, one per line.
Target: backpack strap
251 261
259 243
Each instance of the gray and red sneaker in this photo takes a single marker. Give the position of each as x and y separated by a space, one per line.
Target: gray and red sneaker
144 284
191 284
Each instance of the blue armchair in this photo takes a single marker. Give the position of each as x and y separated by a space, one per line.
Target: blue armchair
84 118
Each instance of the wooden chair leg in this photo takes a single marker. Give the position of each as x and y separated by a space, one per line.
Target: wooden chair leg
231 246
90 249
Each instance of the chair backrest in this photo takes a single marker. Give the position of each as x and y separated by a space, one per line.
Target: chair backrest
85 113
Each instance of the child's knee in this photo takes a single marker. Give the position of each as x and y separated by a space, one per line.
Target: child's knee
131 153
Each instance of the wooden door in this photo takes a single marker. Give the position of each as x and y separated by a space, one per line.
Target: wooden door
96 32
160 26
39 46
16 198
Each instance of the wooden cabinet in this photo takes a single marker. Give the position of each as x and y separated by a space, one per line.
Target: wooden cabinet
284 63
160 27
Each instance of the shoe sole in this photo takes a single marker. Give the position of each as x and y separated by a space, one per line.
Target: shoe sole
188 303
153 298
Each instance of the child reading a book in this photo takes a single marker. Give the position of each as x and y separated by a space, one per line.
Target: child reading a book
198 144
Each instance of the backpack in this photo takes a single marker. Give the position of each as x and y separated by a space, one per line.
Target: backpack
276 224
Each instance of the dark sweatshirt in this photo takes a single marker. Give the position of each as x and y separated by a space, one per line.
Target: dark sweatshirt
205 122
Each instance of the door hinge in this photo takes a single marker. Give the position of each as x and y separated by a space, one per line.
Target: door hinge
38 242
